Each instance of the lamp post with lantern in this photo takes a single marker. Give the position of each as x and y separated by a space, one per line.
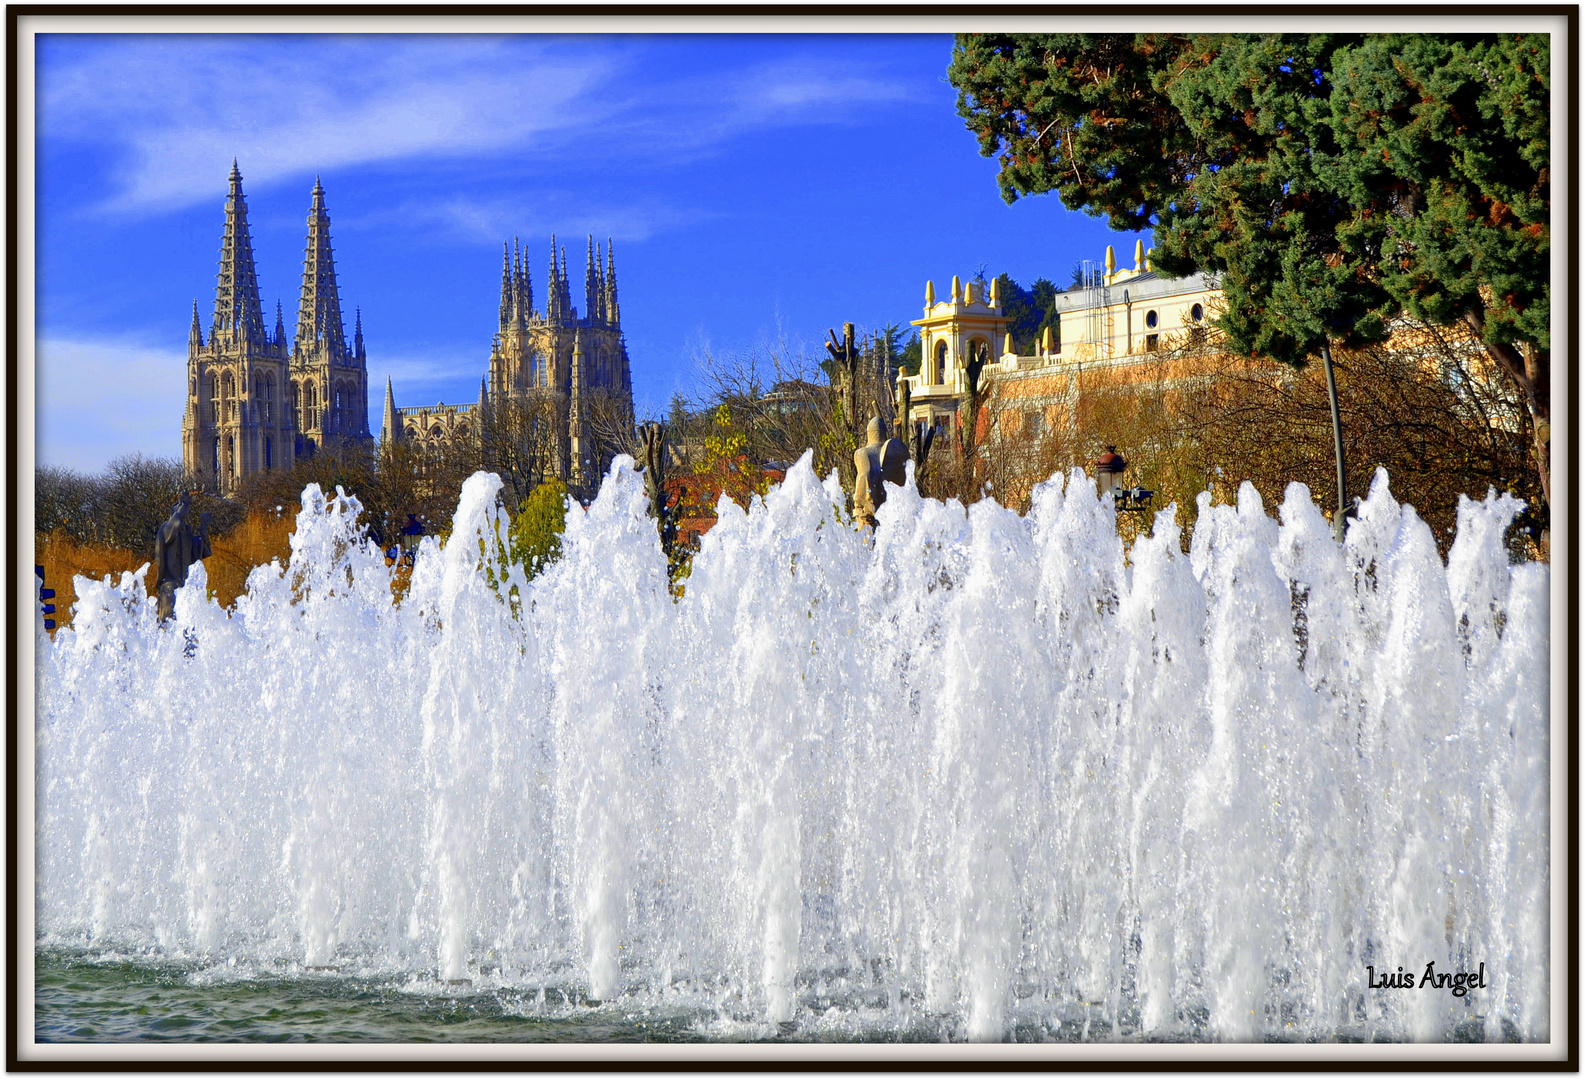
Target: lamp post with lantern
1109 468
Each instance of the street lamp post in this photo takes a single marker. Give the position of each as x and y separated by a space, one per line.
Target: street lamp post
1109 469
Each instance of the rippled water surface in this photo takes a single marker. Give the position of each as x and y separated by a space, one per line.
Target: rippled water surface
81 998
94 997
84 996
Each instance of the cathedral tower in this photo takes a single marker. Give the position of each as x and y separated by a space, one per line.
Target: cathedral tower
561 367
329 381
236 422
254 402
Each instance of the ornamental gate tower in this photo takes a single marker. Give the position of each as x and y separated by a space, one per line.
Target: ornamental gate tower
253 403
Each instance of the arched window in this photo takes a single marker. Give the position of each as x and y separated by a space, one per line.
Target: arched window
297 405
215 410
267 448
462 431
1151 340
938 372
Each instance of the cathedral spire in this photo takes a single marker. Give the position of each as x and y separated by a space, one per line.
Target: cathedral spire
591 284
390 431
319 309
525 290
238 315
553 286
357 335
519 316
613 313
565 286
506 284
195 336
280 326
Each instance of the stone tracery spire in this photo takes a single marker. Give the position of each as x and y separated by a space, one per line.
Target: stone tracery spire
553 287
613 313
565 286
238 314
519 316
506 284
319 310
390 430
195 336
521 288
591 284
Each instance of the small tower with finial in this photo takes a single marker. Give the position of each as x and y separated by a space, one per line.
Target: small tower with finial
613 312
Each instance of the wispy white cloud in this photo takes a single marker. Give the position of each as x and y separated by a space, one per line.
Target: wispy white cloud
418 374
180 107
98 400
183 110
494 218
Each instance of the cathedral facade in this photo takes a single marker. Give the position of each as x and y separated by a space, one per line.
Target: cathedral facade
257 400
557 379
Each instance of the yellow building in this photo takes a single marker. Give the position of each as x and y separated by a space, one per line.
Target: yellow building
1115 320
954 331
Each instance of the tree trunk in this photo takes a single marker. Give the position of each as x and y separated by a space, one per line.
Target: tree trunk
1340 522
1531 370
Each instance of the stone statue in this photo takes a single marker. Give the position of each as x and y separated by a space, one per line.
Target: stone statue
878 463
177 545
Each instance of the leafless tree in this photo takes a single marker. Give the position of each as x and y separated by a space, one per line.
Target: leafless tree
773 403
518 439
1431 409
125 505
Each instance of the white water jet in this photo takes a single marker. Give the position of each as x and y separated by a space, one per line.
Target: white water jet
975 770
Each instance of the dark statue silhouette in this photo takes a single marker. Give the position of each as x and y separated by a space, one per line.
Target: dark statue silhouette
177 545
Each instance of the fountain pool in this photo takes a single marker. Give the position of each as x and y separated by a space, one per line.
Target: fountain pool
974 776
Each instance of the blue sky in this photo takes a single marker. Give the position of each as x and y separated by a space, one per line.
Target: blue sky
757 189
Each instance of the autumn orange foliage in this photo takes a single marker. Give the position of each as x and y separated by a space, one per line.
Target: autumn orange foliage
260 538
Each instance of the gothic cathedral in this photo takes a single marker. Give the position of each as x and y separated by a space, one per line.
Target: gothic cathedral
575 367
253 402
